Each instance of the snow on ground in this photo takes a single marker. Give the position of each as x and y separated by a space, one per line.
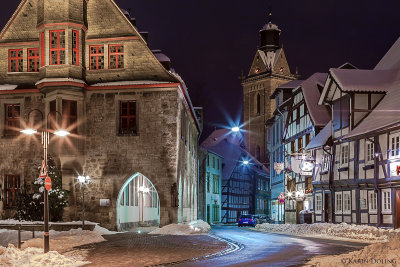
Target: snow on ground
376 255
34 257
63 241
342 230
193 228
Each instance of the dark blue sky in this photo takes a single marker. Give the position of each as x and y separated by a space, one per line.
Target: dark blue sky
211 41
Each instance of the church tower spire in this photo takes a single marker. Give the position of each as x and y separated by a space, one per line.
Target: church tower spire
269 35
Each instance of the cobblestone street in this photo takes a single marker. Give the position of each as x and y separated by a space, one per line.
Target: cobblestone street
132 249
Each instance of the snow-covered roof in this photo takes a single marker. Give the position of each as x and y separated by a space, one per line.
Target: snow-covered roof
319 114
391 60
270 26
355 80
6 87
385 116
321 138
52 80
161 56
290 85
227 144
128 83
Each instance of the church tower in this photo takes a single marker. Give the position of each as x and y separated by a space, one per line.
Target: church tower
269 70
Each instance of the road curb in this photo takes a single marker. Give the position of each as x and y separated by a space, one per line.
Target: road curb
233 246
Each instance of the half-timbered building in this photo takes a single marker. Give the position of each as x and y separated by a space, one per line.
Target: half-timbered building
304 120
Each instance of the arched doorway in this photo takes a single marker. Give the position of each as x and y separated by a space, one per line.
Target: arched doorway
138 204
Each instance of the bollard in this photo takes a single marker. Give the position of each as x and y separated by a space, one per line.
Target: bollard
19 236
33 231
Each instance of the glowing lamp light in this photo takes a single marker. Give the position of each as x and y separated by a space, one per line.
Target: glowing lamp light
235 129
144 189
246 162
29 131
83 179
61 133
290 194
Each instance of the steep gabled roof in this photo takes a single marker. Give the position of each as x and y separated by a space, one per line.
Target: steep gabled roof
391 60
321 138
385 116
319 114
355 80
290 85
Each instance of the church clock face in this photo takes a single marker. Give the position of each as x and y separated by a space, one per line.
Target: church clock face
281 69
257 70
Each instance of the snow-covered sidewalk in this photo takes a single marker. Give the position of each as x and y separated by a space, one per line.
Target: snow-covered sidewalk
31 253
363 233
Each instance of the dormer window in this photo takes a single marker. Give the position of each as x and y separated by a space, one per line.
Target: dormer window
96 57
57 47
16 60
116 56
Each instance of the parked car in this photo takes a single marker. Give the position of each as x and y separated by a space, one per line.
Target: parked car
247 220
262 218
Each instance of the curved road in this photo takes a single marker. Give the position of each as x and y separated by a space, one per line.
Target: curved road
266 249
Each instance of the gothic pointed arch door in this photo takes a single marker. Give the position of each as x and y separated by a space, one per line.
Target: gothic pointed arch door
138 204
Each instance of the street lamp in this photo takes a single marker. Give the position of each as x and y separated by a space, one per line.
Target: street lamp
246 162
45 142
84 181
235 129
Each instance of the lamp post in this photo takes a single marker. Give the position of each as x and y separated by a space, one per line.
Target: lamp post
45 142
84 181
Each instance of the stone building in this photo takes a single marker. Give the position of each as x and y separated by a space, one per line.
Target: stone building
83 66
268 70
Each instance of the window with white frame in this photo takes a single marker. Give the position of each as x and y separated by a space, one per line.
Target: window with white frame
318 202
325 163
339 202
394 145
369 152
386 201
372 201
346 202
344 154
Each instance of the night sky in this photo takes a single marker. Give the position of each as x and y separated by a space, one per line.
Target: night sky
210 42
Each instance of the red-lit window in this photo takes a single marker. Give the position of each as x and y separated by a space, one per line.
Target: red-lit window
12 119
97 57
16 60
57 47
75 48
116 56
127 118
12 185
70 115
33 60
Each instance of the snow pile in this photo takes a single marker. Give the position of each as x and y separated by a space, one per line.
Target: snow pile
103 231
63 241
33 257
378 254
344 230
193 228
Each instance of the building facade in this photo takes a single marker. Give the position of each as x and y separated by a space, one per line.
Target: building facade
304 120
268 70
84 67
358 170
210 186
275 130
